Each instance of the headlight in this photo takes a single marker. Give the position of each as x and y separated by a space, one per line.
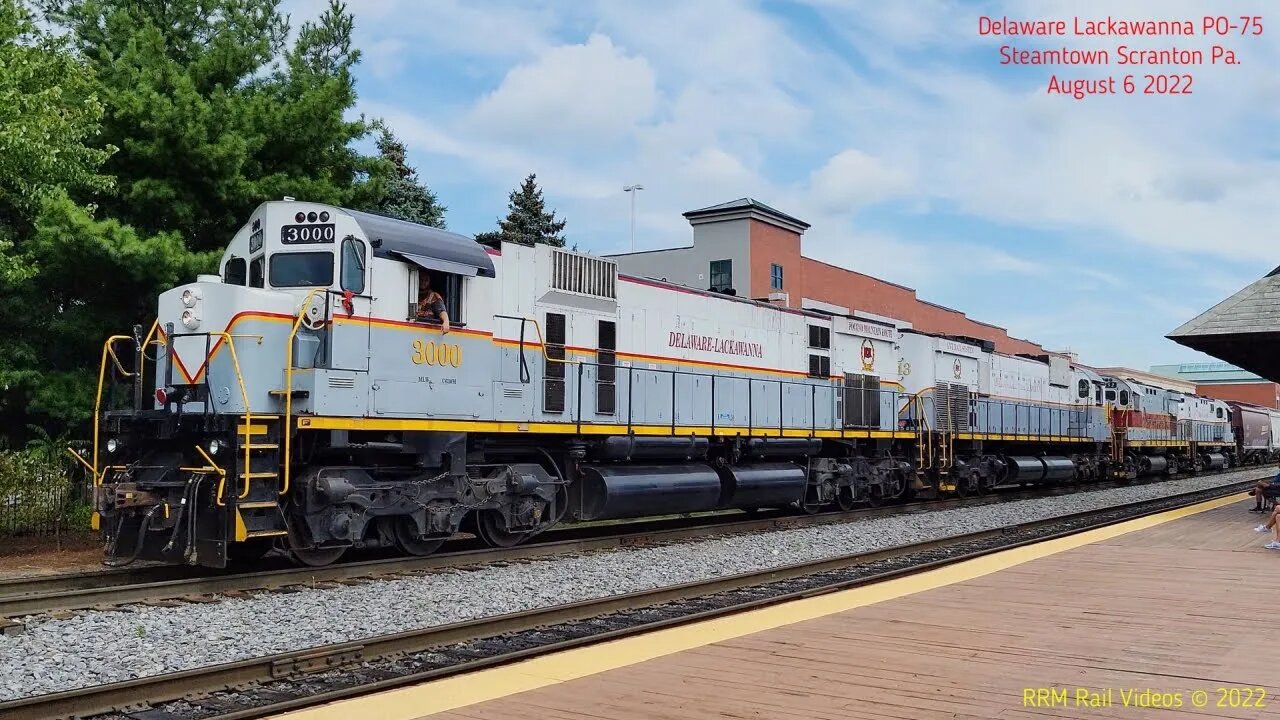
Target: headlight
189 297
113 445
190 320
214 447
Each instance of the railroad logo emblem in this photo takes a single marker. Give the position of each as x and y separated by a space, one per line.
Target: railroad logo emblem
957 368
868 355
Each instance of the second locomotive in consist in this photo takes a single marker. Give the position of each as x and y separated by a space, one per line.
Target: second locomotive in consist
300 397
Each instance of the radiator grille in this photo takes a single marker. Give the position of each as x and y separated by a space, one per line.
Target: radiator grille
951 407
583 274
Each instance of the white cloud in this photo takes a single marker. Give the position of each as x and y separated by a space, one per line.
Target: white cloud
708 101
852 179
586 93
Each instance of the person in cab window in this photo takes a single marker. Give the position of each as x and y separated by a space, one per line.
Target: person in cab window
431 304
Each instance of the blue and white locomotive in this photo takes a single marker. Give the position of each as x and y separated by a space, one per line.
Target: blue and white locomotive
297 399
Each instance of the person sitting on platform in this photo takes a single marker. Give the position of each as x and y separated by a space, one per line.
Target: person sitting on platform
1273 524
1265 487
431 305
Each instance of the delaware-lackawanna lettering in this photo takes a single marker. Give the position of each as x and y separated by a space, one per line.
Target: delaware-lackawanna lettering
707 343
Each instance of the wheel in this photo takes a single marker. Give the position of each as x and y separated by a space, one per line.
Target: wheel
312 556
874 496
249 551
844 498
317 557
962 486
490 528
404 529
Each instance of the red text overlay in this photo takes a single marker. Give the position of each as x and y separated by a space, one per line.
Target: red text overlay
1121 56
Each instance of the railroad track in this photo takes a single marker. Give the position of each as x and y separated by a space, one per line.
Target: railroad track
170 583
269 685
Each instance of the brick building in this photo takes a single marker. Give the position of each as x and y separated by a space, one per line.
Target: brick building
1224 381
752 250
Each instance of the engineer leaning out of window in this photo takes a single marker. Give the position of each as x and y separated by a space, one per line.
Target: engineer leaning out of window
431 303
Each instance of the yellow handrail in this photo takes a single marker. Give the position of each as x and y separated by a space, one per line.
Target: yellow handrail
79 459
288 387
222 474
97 400
244 398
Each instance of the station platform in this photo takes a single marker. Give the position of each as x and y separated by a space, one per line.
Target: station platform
1162 616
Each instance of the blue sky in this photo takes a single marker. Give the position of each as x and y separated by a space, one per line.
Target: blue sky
1095 226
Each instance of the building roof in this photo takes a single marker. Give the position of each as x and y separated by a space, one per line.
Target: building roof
745 205
1244 329
1207 372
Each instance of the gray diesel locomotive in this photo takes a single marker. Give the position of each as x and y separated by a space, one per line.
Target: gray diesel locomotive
302 398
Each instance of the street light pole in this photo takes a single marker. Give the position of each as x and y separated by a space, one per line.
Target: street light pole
633 189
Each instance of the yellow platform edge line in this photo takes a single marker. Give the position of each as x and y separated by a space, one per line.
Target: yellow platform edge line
463 690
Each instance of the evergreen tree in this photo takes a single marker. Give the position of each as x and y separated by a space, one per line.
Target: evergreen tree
402 194
527 221
213 110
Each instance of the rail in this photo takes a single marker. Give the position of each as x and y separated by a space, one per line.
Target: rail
507 637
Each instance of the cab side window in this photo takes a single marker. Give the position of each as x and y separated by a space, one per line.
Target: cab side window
1124 397
1083 390
257 274
235 271
353 265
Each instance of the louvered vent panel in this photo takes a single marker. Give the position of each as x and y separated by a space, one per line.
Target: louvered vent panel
583 274
344 383
951 407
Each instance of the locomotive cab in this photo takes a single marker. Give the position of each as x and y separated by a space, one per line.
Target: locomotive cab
288 327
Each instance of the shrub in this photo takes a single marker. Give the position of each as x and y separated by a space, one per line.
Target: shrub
36 492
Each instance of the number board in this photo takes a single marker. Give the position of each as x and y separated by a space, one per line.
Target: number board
255 241
306 234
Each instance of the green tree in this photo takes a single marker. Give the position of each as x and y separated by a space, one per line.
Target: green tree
214 111
527 221
49 113
402 194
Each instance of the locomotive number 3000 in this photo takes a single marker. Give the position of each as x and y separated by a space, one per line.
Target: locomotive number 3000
433 353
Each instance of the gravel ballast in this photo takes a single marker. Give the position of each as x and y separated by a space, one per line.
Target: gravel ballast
98 647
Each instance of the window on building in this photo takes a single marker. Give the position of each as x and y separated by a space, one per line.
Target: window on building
819 337
775 277
235 271
721 275
819 366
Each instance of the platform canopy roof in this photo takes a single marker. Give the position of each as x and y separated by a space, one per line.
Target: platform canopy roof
1243 330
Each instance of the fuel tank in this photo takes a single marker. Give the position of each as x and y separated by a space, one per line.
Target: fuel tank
763 485
624 491
1028 469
